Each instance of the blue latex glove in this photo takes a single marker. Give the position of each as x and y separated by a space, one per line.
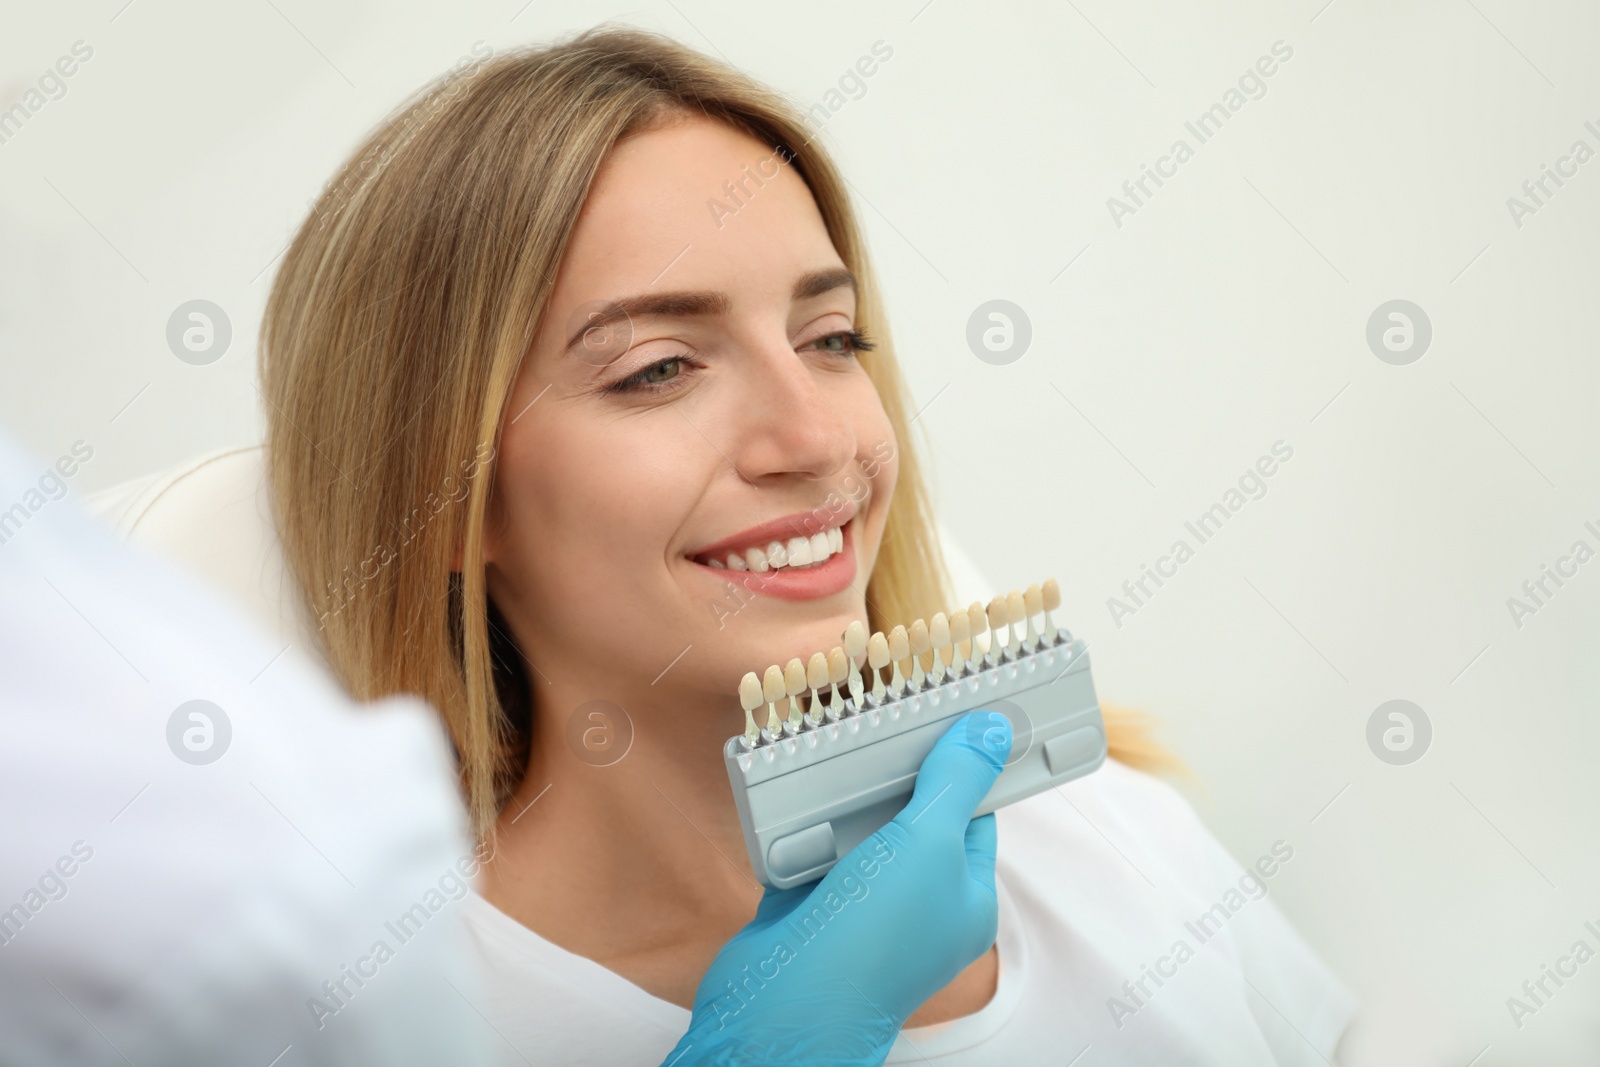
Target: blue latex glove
828 972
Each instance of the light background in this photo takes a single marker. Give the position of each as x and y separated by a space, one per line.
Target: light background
1167 354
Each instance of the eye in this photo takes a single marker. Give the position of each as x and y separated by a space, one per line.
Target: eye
844 343
657 376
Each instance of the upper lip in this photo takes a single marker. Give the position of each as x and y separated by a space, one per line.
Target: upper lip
800 524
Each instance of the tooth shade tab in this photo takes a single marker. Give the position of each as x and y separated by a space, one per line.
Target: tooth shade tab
750 698
978 625
899 649
855 650
939 637
921 644
855 641
1016 612
960 632
816 678
817 670
899 644
772 687
838 671
877 659
1050 594
838 665
773 690
794 683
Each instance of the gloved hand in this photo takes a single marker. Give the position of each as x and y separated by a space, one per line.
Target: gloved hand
828 972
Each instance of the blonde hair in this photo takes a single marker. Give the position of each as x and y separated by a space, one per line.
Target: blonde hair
394 332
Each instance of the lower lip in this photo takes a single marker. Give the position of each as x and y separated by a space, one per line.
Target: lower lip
810 583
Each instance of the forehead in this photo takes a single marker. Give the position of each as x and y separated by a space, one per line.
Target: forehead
694 204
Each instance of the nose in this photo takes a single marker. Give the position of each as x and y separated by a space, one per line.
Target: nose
788 425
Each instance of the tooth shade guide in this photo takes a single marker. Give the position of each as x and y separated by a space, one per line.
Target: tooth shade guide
835 687
844 776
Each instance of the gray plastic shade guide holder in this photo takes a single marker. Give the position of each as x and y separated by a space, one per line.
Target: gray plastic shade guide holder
806 800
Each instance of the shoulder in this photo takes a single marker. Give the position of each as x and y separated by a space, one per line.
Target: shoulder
1120 809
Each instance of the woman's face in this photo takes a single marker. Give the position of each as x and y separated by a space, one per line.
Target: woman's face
723 414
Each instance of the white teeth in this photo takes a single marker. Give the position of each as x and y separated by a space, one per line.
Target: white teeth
795 552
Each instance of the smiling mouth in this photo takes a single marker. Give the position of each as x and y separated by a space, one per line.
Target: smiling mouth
788 554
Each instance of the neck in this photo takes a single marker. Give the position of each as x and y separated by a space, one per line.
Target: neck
612 839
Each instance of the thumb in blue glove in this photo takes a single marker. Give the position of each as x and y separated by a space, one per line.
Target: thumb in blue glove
829 971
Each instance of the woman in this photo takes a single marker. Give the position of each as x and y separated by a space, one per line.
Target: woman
574 335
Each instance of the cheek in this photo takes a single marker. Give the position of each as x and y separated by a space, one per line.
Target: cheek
583 498
877 457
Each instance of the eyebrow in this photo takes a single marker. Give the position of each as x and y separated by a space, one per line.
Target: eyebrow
684 304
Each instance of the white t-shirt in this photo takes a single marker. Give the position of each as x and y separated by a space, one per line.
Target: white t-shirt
1110 879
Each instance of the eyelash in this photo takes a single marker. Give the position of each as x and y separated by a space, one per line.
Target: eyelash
635 383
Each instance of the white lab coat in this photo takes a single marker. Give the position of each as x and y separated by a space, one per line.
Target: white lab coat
159 906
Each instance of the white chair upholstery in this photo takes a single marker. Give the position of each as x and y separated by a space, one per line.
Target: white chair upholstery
212 515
